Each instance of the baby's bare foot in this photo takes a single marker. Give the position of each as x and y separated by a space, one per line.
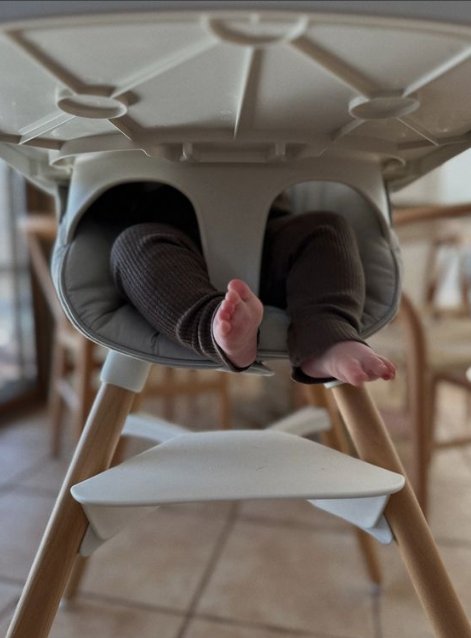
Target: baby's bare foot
351 362
235 324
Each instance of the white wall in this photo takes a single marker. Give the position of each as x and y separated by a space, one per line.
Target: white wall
449 184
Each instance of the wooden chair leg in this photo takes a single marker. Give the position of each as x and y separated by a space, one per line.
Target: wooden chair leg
169 396
410 529
364 540
225 402
76 576
370 557
61 542
81 562
84 384
419 398
56 402
335 438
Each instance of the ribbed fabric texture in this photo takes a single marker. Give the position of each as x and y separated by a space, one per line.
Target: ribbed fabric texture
311 268
162 273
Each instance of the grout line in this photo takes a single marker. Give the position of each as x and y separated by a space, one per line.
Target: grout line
9 610
136 605
213 560
40 492
453 543
307 527
124 602
210 567
376 601
13 484
254 519
11 580
233 622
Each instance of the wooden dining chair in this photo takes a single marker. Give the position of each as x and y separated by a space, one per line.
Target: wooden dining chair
76 360
430 342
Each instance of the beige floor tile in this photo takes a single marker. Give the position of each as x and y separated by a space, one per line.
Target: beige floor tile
8 595
458 563
159 561
291 512
23 444
293 579
207 510
24 518
48 478
85 619
401 611
205 629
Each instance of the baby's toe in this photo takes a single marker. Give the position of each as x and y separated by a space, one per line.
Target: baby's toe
354 373
390 371
375 368
227 307
387 371
224 327
232 297
238 287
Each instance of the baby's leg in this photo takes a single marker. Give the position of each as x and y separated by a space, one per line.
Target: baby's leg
160 270
317 256
163 274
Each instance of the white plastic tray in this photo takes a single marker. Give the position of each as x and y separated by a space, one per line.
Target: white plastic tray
218 84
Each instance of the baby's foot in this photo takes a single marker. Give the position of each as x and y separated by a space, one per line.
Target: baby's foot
351 362
235 324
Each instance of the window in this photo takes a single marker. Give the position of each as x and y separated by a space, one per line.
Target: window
17 334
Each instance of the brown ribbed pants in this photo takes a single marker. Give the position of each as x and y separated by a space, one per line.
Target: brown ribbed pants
311 268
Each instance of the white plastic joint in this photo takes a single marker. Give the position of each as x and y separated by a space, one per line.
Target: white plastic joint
125 372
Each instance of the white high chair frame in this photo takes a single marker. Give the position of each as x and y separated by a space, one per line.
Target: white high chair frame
246 170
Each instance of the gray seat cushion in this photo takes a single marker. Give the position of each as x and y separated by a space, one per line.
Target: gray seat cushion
83 279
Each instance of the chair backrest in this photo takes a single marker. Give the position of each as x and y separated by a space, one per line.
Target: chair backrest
435 244
39 228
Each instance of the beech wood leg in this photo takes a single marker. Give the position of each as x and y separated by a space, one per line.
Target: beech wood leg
61 542
169 396
76 576
412 534
336 438
82 562
420 399
84 384
225 402
56 402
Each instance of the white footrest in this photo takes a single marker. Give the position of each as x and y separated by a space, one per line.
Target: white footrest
304 422
235 465
147 426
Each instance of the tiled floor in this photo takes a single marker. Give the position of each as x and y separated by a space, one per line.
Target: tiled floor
250 570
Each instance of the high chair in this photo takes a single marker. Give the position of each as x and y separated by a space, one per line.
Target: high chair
231 108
